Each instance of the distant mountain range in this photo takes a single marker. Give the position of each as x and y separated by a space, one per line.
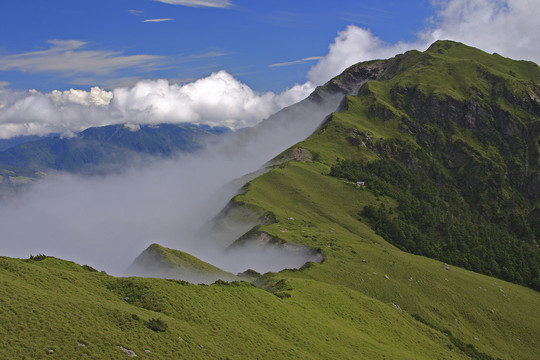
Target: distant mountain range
9 143
107 144
96 149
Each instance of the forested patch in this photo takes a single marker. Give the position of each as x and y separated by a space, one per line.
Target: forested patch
444 215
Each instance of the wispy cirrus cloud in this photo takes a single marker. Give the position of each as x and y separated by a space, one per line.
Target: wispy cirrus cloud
207 54
157 20
108 82
136 12
295 62
200 3
68 56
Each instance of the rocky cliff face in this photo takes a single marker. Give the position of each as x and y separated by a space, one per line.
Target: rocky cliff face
350 81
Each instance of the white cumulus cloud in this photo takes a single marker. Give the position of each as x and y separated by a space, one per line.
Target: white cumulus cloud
95 96
217 100
34 113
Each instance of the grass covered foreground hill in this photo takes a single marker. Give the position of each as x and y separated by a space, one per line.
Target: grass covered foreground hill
56 309
368 299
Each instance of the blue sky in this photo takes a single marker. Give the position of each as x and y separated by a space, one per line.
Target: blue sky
243 38
66 65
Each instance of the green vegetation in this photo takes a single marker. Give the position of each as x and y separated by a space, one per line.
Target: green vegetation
159 261
56 305
433 219
413 143
156 324
458 153
466 308
449 175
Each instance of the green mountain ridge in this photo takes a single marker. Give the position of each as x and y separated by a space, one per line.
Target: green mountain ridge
427 132
468 150
158 261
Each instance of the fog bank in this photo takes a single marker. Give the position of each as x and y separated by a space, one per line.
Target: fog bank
107 221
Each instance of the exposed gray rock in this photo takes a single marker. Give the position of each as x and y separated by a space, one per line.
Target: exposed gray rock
127 351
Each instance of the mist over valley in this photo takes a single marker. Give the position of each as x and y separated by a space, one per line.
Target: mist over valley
107 219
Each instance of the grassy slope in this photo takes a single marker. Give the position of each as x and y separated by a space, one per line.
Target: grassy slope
182 259
498 318
54 304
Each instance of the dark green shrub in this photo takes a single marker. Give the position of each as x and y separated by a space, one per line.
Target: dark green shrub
283 294
220 282
157 325
89 268
38 257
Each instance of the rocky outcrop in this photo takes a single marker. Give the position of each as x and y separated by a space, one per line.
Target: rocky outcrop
260 239
350 81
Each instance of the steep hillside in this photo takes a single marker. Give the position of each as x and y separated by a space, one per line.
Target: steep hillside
452 136
473 311
446 144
